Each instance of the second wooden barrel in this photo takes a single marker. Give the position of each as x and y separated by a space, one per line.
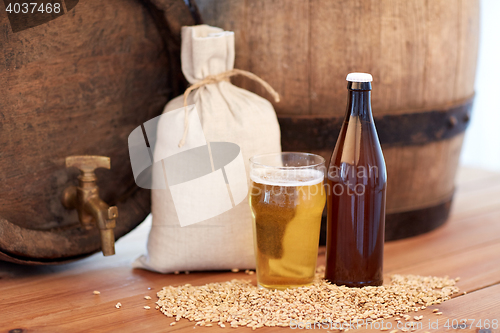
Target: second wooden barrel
422 55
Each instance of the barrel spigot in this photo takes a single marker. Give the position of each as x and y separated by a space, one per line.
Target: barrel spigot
92 210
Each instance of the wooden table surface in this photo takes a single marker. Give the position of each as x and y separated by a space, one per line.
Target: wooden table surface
60 298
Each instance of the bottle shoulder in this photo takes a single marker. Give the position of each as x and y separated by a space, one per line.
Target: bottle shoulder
358 154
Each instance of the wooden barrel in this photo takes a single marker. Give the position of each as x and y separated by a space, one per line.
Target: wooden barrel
78 85
422 55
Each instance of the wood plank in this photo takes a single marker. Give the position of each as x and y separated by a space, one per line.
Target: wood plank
306 48
59 298
268 43
63 302
345 36
486 303
477 202
443 39
470 176
66 301
482 304
467 49
401 70
474 274
276 41
411 186
64 308
456 236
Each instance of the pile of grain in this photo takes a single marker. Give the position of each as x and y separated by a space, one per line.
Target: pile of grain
239 303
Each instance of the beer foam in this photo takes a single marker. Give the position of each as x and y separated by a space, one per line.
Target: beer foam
287 177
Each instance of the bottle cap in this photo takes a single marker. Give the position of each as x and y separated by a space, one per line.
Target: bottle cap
359 77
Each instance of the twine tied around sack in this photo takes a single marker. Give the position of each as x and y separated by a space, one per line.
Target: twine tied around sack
224 76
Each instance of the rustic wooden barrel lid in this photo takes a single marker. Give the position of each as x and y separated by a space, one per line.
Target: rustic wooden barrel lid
78 85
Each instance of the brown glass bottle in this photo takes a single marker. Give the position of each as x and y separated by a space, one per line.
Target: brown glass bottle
356 187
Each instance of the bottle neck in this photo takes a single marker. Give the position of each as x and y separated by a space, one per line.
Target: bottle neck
359 104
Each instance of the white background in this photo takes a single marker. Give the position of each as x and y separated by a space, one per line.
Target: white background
482 139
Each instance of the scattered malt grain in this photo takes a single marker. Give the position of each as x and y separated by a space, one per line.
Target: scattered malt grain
96 292
240 303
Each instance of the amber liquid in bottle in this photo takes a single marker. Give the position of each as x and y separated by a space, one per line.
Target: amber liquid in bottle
356 187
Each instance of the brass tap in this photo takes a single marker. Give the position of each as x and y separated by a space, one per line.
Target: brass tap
85 199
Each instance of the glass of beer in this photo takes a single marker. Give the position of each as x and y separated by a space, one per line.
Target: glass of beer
287 198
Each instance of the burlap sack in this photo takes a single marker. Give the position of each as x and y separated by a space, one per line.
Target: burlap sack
227 114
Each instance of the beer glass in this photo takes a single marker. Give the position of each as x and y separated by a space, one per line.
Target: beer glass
287 198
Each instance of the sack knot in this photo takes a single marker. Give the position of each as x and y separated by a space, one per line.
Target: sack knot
224 76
